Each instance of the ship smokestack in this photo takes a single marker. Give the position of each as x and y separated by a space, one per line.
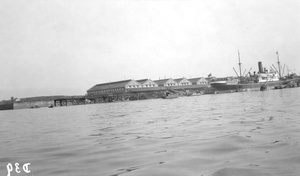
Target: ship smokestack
260 67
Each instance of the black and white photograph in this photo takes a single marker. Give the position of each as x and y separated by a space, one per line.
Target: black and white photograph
149 88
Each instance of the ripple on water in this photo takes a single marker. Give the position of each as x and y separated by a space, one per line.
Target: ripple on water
239 172
249 133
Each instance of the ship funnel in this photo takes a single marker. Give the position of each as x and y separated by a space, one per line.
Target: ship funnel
260 67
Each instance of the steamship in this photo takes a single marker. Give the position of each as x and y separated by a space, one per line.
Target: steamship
264 78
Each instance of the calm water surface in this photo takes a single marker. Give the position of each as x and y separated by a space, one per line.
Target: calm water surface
242 134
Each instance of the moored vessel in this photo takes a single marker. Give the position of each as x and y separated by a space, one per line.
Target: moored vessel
170 96
243 86
257 81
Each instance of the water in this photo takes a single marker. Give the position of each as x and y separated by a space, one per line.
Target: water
242 134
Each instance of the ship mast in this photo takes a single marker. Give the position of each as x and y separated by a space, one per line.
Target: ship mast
240 66
278 64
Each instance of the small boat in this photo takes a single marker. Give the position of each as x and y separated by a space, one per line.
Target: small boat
35 106
197 94
170 96
263 87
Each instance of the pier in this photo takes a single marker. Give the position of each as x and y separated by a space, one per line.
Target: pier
70 101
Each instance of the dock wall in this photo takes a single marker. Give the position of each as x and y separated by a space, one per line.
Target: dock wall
32 104
6 106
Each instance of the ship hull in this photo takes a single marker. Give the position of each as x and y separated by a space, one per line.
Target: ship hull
244 87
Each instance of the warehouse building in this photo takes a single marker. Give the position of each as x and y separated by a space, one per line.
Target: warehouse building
183 81
166 82
147 83
199 81
114 87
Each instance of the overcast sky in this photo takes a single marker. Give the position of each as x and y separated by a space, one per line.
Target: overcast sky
64 47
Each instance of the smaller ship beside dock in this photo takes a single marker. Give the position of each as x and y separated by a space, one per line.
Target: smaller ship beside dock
170 94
